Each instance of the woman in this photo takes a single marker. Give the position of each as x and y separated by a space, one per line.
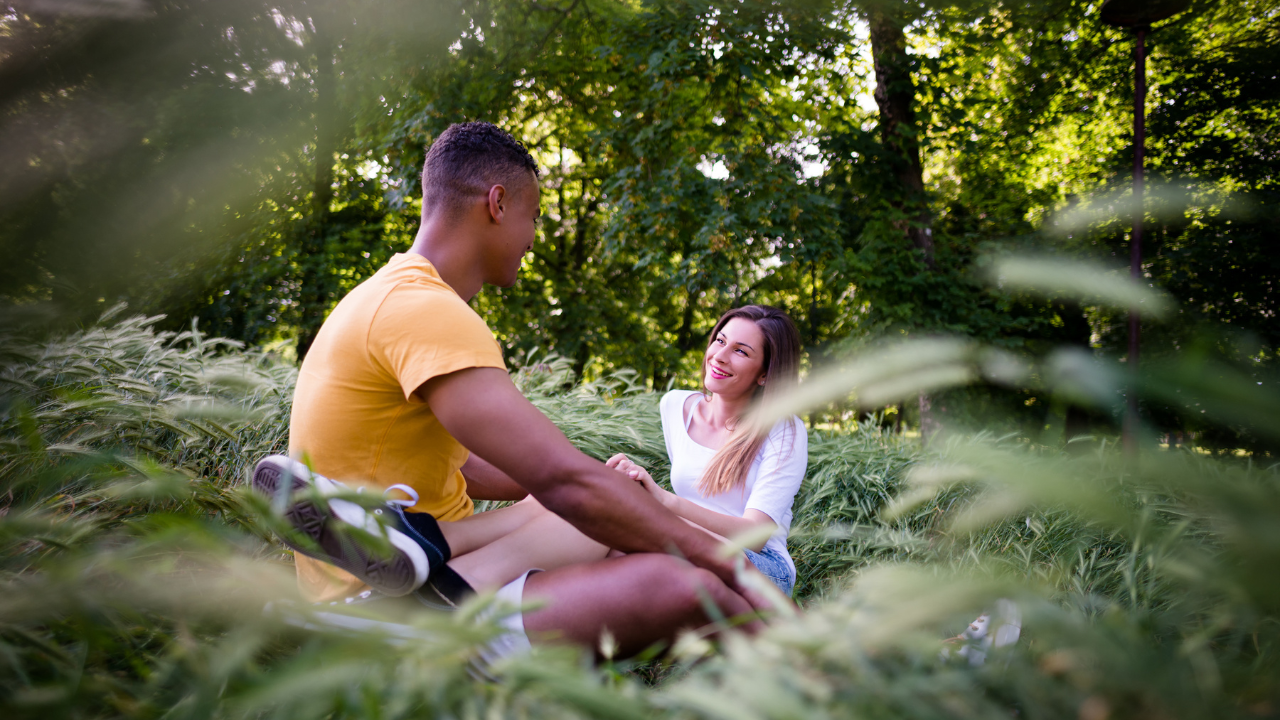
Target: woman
729 478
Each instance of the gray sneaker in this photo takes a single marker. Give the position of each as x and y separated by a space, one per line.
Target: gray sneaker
401 572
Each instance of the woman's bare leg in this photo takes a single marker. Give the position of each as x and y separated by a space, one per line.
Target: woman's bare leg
474 532
546 542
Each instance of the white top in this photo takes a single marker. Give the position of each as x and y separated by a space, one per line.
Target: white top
771 484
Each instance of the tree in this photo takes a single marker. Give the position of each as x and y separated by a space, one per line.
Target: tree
630 112
132 142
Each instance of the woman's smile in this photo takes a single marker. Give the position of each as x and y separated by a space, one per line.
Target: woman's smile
735 359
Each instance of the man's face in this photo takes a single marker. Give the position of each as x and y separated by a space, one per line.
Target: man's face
514 236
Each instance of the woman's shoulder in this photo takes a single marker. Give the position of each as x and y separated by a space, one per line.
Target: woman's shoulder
676 397
672 404
789 431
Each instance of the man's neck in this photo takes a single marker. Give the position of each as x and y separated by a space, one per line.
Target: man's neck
450 249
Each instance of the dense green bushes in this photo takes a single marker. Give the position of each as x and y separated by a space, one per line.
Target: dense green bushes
135 570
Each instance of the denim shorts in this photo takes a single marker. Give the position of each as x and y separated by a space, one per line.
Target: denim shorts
773 565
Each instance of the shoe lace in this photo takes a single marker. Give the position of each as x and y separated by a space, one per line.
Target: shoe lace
396 501
404 489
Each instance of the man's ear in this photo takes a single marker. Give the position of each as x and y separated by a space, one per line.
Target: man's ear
497 203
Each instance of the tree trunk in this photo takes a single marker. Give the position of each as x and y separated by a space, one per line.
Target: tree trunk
314 286
686 339
1076 326
928 423
895 96
813 306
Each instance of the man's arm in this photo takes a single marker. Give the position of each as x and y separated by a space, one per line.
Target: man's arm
486 482
484 411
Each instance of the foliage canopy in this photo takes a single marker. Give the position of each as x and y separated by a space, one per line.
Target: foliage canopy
247 163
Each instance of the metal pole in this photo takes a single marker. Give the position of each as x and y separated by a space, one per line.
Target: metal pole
1135 244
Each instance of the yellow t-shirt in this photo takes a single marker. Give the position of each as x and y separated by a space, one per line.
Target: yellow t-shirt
355 417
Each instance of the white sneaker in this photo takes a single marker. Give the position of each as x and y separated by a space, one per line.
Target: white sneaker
400 573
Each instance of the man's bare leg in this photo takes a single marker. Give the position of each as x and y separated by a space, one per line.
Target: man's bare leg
641 599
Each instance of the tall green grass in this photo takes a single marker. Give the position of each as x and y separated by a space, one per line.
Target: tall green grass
135 568
116 423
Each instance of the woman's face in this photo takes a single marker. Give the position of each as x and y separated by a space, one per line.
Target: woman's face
734 364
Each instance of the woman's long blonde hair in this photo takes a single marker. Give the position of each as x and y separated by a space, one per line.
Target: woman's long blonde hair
729 467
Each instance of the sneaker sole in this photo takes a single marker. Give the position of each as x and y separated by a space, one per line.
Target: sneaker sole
404 571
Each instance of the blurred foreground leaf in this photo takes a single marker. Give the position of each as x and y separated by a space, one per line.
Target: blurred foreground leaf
1060 277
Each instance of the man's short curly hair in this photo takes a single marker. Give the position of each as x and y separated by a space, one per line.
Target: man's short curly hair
468 159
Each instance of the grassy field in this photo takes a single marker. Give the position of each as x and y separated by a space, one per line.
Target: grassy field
136 568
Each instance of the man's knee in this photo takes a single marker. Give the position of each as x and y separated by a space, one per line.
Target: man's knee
701 587
685 586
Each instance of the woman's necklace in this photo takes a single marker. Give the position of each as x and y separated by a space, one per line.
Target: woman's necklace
709 433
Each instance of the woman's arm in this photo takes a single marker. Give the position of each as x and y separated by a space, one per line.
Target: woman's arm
782 464
717 522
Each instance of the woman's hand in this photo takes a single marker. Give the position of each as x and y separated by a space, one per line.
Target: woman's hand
623 464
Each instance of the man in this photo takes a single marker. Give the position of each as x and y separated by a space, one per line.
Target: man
405 388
